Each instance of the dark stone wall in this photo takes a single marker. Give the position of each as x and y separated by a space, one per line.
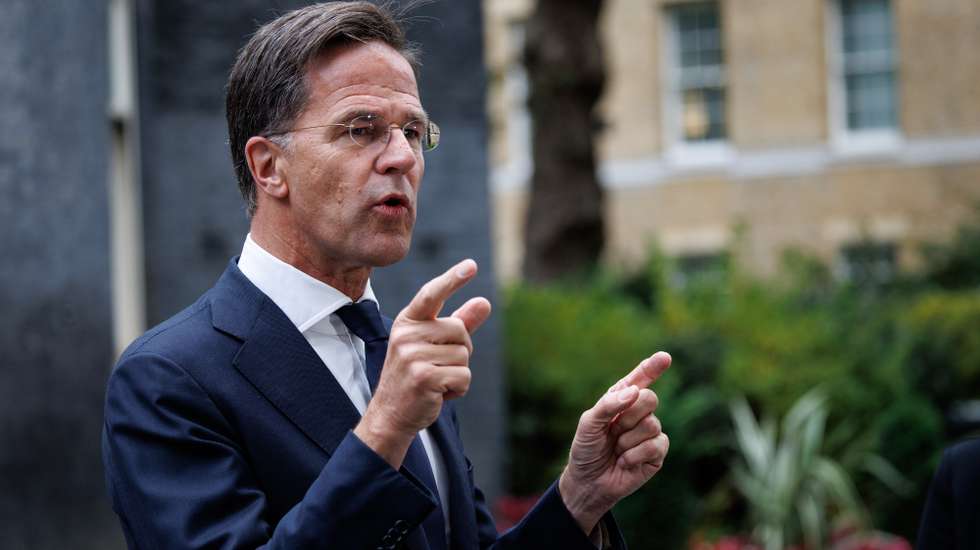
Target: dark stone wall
55 328
194 216
454 214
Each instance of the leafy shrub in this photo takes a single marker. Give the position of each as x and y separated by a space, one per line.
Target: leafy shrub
891 358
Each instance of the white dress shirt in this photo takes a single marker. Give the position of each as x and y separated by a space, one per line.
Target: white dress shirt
311 304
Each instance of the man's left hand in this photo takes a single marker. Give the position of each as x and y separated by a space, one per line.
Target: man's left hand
618 445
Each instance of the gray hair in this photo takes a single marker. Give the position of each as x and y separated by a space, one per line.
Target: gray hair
267 87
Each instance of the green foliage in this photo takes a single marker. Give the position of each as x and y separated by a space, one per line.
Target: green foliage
956 264
890 358
944 332
795 491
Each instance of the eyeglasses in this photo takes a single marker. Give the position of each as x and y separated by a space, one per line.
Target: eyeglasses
367 130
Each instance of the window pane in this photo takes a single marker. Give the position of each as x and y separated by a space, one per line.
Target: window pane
869 64
870 101
703 116
704 268
715 100
868 262
700 63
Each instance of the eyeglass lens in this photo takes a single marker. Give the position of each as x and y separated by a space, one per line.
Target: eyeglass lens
368 129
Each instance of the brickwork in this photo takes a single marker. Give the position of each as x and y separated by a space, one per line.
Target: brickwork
786 171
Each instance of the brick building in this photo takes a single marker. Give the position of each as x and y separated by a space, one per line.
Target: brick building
840 127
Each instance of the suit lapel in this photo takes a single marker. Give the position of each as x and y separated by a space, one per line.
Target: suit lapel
461 517
280 363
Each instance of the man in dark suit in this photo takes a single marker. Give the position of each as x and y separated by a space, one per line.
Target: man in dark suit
281 410
951 519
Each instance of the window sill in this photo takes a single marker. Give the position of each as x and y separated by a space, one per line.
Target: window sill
870 144
704 155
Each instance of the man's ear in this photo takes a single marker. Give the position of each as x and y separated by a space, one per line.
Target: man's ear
266 161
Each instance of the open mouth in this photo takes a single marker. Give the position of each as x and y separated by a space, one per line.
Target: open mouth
393 204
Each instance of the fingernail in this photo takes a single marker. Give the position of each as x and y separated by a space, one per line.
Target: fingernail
466 269
627 393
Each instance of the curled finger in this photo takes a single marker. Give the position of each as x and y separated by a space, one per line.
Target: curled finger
651 451
648 428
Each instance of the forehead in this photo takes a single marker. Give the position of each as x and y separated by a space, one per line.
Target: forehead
372 75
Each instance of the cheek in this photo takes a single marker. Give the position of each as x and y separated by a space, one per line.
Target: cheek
326 185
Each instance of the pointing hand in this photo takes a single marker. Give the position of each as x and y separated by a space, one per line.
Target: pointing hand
427 363
618 445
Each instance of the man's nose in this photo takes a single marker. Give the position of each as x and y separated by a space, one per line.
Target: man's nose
398 153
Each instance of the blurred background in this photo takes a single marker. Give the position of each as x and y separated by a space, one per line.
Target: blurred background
783 194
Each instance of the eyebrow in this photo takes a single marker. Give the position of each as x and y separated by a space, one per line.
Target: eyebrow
413 114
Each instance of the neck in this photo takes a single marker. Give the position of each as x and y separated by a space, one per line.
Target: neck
348 279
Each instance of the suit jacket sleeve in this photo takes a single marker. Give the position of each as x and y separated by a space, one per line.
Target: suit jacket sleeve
951 519
549 524
936 529
178 477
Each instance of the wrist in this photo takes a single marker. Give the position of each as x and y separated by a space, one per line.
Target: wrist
581 502
388 442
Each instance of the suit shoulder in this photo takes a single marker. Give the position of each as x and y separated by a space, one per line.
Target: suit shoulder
962 460
966 452
185 339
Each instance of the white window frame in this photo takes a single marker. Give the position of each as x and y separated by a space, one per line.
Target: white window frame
845 141
678 151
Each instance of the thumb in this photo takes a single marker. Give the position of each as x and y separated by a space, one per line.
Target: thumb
609 406
473 313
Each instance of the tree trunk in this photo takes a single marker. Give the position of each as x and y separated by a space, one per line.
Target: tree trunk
564 232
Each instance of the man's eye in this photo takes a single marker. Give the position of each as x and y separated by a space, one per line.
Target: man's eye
413 131
362 130
412 134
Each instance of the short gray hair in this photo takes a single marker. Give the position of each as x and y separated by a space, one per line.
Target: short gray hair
267 87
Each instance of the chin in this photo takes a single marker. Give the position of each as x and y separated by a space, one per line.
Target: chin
390 253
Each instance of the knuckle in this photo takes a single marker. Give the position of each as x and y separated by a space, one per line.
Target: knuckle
648 397
632 460
456 323
656 425
400 334
420 373
456 329
426 294
407 351
649 425
465 380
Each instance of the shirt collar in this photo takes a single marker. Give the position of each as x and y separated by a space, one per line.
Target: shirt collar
303 299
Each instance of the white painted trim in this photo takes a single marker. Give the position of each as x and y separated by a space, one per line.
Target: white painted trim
700 155
788 162
670 114
836 93
125 195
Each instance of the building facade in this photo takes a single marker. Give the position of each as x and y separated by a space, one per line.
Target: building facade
838 127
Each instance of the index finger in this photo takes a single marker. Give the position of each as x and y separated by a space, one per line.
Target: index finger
429 300
646 373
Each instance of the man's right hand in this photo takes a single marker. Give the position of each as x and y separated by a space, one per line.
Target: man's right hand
427 362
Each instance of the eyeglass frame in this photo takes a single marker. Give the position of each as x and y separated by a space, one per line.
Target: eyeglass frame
431 128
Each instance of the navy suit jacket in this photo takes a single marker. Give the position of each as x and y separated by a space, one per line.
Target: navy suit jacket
951 519
224 429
